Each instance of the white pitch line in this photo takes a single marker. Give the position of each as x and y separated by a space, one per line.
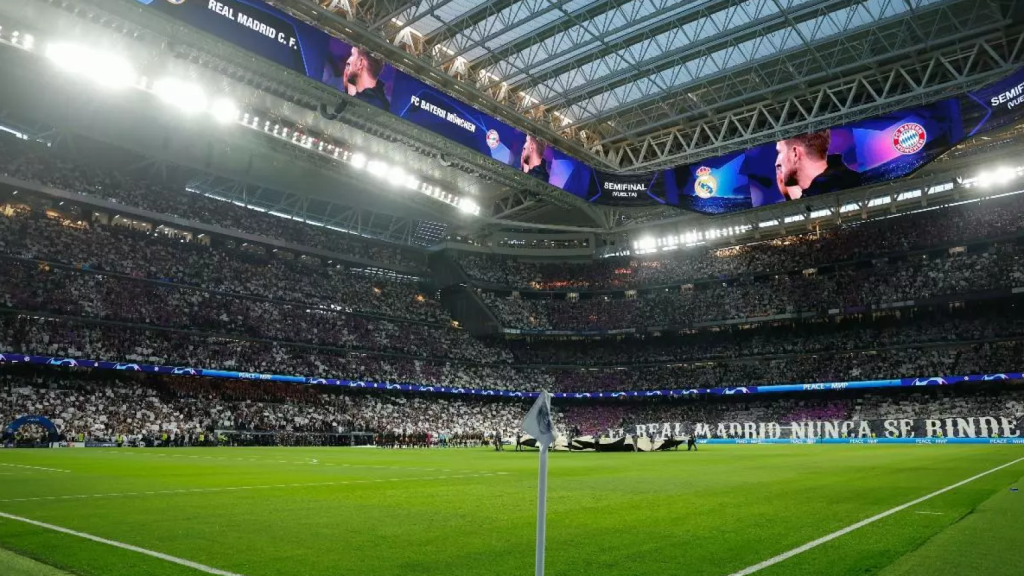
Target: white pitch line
865 522
35 467
310 462
227 488
932 513
122 545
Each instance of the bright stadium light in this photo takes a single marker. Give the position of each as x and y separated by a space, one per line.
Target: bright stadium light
412 182
224 110
396 176
377 168
358 161
103 68
186 96
469 206
1004 175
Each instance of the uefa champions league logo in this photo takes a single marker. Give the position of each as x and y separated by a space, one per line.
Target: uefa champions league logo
909 138
995 377
63 362
132 367
935 381
741 390
184 371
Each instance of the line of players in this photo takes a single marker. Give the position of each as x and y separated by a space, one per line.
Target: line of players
396 440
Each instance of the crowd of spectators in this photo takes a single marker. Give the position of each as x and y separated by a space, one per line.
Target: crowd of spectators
29 234
975 323
991 218
34 163
67 339
96 405
85 289
101 406
919 278
26 286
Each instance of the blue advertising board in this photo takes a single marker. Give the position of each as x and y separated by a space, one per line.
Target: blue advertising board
12 358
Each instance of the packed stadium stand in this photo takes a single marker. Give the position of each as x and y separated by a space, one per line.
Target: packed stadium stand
128 291
284 281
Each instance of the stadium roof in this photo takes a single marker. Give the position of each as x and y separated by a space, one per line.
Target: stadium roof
640 84
622 85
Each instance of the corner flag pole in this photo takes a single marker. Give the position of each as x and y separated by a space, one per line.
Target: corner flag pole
538 423
542 512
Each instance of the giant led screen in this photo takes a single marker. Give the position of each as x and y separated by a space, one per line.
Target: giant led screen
866 152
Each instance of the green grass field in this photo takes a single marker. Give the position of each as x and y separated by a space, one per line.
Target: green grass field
272 512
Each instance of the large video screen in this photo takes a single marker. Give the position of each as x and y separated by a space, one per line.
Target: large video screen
863 153
995 106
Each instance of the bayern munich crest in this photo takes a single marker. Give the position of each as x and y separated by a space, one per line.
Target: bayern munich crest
705 186
493 139
909 138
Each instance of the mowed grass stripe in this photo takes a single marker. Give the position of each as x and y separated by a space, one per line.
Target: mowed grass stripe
158 555
231 488
307 462
709 513
12 564
988 540
840 533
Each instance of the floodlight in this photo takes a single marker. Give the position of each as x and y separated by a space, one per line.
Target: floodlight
224 110
358 161
184 95
397 176
377 168
468 206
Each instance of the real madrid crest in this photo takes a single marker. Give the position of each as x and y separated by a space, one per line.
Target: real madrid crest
705 186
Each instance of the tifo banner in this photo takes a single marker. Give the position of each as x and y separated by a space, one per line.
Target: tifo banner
867 152
8 358
972 427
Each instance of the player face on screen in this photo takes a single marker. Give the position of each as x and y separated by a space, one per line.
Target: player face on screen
800 160
358 72
533 158
533 154
362 75
349 87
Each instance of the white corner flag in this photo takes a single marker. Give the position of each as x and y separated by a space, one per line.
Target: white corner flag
538 421
538 424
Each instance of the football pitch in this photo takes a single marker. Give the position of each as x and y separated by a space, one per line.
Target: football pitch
472 512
